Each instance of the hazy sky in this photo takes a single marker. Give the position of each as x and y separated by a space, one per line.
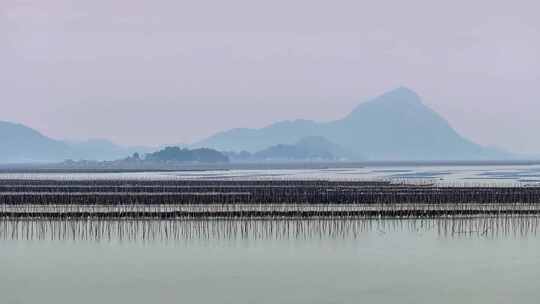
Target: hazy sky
154 72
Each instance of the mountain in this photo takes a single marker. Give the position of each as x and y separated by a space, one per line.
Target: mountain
307 148
19 144
393 126
175 154
252 140
22 144
311 148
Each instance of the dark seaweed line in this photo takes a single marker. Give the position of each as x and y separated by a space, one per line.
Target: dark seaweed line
275 197
387 200
299 214
256 189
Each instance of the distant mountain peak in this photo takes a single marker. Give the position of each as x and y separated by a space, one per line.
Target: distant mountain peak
401 99
402 90
399 96
395 125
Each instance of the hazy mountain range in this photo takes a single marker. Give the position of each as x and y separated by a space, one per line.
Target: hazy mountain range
19 143
393 126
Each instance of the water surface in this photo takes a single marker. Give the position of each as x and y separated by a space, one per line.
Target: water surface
448 175
382 262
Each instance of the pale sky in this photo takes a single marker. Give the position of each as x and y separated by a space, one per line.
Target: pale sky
156 72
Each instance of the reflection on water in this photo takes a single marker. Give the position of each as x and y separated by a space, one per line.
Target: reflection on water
473 260
257 229
446 175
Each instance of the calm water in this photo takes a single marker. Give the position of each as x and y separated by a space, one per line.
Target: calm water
444 175
381 262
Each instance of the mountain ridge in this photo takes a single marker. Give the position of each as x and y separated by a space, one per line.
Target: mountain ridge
309 149
22 144
396 125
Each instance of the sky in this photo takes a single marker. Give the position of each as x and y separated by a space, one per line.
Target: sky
167 72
